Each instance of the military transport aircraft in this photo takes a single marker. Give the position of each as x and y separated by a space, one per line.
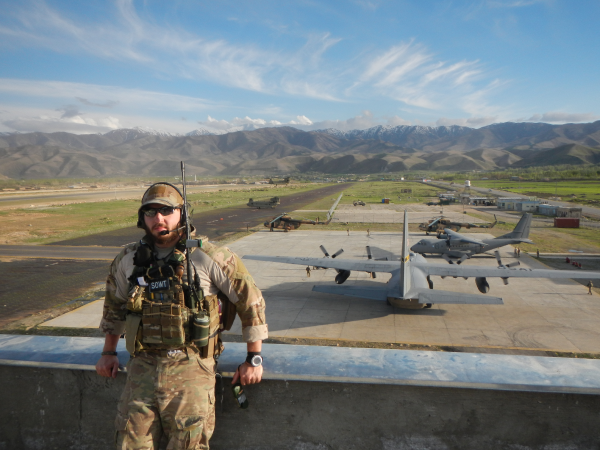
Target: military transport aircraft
439 224
275 181
272 203
455 245
410 285
288 223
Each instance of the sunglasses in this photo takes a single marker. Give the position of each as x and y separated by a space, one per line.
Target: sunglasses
164 211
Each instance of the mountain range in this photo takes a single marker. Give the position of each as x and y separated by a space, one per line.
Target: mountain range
286 150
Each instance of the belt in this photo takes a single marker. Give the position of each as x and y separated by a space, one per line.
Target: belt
166 353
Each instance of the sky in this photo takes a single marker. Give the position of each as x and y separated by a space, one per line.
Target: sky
177 66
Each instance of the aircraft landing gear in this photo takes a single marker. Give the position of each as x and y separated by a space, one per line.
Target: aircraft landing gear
428 305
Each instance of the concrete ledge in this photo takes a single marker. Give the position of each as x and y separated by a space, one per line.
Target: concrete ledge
317 398
347 365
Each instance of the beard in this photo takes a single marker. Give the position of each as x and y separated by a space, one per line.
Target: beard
168 240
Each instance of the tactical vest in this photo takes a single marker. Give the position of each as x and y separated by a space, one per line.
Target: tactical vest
163 313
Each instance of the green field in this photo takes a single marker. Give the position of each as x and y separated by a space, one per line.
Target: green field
373 192
42 225
584 192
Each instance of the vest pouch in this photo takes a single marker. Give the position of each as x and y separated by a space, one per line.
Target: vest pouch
200 329
171 322
134 300
228 312
151 324
132 326
211 304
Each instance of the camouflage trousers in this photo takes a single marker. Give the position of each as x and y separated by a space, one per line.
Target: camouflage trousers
171 395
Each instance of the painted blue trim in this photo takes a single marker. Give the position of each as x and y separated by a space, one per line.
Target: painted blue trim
345 365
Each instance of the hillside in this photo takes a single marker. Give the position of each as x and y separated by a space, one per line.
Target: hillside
288 150
565 154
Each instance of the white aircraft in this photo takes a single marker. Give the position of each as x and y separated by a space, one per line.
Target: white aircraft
410 285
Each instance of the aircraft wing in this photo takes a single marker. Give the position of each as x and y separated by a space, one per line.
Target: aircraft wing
453 270
460 237
379 254
371 293
330 263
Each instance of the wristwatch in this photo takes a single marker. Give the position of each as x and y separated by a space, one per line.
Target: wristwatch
254 359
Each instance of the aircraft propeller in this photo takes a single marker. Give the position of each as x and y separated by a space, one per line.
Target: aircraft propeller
370 256
342 274
462 259
338 253
502 266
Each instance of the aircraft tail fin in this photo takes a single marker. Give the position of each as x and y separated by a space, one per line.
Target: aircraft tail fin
521 231
404 271
332 209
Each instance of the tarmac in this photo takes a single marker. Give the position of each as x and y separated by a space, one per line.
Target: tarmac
538 314
392 213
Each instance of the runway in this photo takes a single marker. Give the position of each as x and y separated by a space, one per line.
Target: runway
59 252
45 276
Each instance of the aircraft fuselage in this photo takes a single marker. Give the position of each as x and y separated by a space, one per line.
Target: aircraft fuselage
458 249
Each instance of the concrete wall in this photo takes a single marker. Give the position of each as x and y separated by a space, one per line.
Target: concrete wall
58 408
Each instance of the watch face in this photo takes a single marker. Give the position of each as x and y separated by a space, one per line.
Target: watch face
256 360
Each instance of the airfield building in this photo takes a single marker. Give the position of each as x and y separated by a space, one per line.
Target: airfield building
560 211
525 204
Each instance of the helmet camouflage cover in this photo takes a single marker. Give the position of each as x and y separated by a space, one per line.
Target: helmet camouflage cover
162 194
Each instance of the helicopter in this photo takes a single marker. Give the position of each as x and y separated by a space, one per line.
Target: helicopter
287 222
439 224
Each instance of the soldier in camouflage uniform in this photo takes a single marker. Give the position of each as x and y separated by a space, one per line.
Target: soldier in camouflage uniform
170 376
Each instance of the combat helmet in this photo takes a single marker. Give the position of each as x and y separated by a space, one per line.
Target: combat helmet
161 193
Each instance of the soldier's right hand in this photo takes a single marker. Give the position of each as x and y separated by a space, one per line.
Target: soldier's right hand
108 366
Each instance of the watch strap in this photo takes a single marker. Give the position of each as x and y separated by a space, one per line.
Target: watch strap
109 353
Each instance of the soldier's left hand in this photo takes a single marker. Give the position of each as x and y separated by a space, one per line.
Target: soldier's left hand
247 374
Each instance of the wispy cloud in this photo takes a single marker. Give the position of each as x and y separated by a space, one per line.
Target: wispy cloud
69 111
67 118
98 95
156 107
407 72
359 122
473 122
513 3
106 104
404 76
172 50
562 117
411 73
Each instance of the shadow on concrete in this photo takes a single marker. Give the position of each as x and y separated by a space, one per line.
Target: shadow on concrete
295 305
